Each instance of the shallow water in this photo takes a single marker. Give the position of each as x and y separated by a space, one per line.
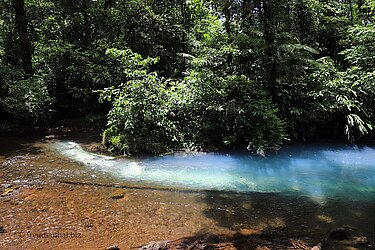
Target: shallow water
317 172
302 192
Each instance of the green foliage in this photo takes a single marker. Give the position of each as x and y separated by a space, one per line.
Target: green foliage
192 74
359 78
153 115
27 99
230 111
138 122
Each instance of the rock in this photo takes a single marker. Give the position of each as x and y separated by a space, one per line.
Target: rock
339 234
161 245
325 218
247 206
113 247
317 247
2 230
361 241
118 194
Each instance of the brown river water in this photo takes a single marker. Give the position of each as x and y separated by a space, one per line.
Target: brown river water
51 202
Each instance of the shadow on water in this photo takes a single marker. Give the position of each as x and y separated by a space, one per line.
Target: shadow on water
275 220
27 142
11 146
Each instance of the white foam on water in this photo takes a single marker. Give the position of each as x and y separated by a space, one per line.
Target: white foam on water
316 172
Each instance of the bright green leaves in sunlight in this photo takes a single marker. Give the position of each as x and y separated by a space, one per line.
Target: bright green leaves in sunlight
155 115
138 121
360 79
192 73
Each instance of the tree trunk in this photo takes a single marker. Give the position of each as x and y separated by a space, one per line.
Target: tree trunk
25 48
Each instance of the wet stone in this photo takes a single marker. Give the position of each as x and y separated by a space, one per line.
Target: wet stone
118 194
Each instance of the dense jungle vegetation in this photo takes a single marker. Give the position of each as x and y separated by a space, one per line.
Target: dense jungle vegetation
192 73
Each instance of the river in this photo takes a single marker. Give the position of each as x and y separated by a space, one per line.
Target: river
303 195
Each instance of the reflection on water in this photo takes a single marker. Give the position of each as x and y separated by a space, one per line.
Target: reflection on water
320 173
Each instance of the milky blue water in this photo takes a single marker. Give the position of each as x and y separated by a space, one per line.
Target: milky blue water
318 172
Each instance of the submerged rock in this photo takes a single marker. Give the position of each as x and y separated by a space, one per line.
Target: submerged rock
358 242
339 234
361 241
118 194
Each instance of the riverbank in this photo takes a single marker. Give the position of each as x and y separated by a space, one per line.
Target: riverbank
51 202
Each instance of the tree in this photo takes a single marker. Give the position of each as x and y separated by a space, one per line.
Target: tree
22 38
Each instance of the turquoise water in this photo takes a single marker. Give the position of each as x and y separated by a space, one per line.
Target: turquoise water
318 172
